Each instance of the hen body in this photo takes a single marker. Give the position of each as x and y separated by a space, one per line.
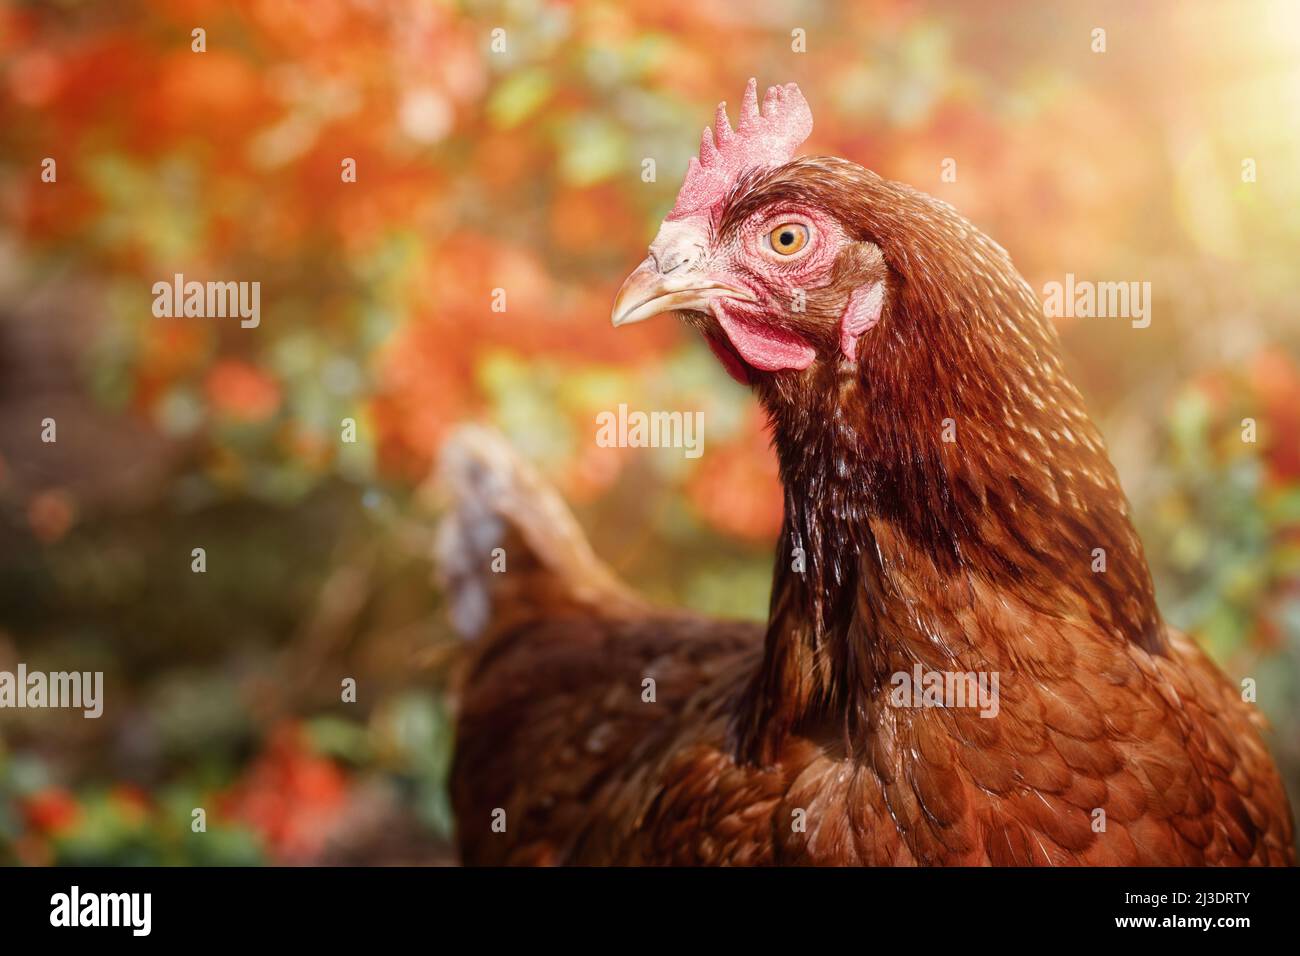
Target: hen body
555 730
949 510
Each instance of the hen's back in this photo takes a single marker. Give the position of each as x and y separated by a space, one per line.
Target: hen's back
563 721
574 687
594 729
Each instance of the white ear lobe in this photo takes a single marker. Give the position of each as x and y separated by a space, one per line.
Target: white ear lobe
860 314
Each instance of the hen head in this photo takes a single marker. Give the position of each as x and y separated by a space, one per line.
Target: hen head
913 384
758 251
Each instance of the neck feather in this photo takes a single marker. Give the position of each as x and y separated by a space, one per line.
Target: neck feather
945 499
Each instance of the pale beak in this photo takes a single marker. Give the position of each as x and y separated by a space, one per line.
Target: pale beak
647 292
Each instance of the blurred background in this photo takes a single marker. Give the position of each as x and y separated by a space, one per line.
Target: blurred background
522 170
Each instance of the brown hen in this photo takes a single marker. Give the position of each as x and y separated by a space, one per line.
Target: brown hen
951 521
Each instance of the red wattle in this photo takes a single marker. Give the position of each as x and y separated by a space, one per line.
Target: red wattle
734 366
763 346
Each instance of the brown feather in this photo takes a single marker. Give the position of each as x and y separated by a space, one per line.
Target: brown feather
1117 741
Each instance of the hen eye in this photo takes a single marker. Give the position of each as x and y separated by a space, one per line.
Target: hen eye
788 238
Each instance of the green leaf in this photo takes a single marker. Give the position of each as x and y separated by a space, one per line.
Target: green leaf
518 97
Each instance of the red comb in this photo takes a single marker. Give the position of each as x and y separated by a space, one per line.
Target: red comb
758 140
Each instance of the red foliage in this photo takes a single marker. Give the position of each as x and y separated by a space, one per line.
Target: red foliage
241 391
1277 383
51 811
290 796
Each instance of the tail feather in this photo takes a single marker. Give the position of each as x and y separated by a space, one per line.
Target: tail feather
508 548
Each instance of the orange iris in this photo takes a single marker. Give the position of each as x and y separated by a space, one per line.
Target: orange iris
788 238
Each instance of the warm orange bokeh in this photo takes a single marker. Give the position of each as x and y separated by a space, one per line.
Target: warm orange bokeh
438 217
